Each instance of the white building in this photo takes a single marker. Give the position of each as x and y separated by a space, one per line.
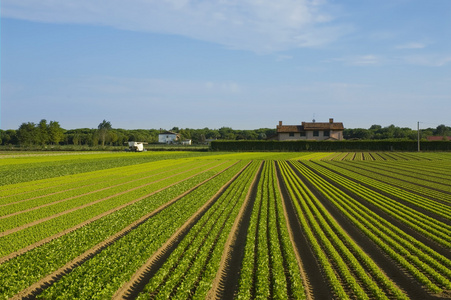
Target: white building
168 137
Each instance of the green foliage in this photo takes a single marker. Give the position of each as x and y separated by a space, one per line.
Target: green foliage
287 146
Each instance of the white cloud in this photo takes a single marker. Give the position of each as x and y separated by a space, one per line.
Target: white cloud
261 26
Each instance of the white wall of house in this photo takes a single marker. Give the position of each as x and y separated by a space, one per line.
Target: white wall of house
167 138
309 135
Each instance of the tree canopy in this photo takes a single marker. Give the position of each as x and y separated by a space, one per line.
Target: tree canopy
51 133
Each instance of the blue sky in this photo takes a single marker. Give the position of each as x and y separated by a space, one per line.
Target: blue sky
244 64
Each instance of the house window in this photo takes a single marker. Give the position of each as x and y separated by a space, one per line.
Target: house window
327 133
291 134
315 133
302 133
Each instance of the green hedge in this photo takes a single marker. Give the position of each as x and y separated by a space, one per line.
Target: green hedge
289 146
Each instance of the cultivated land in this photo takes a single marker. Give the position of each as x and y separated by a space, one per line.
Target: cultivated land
165 225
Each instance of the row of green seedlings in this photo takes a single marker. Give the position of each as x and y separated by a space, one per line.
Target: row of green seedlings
192 266
406 183
269 269
31 266
349 271
417 172
35 209
44 187
105 272
409 180
433 171
420 177
430 268
17 214
96 205
25 170
406 196
427 226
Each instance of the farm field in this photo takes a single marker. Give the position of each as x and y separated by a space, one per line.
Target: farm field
212 225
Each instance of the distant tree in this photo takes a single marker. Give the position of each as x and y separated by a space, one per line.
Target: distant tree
42 135
27 133
357 133
262 136
227 133
55 132
441 130
185 134
104 128
9 137
213 134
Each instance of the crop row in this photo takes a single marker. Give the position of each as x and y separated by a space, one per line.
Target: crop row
349 271
269 268
102 275
402 194
191 268
29 211
383 156
40 188
427 226
35 264
427 266
439 183
43 228
15 170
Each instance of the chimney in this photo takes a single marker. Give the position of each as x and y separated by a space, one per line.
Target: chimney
331 120
280 123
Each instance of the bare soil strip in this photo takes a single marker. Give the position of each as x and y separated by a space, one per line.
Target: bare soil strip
141 277
7 232
55 236
227 277
47 281
316 287
393 271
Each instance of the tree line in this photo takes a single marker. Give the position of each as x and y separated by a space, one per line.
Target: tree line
377 132
50 133
44 133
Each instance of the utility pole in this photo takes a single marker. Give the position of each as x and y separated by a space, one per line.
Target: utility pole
418 132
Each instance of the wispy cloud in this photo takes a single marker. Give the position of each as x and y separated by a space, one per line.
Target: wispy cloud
260 26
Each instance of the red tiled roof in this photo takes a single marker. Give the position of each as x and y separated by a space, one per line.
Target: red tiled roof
322 126
310 126
289 128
